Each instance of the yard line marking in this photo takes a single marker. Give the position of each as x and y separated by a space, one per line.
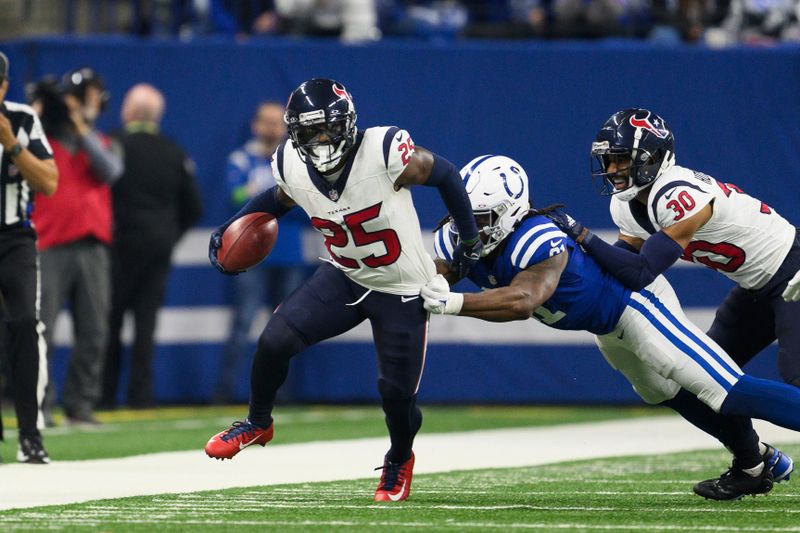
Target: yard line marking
64 482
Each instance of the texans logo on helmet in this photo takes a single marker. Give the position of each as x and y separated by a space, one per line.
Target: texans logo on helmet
341 92
645 124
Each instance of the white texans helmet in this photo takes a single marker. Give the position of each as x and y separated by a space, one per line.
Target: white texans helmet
498 186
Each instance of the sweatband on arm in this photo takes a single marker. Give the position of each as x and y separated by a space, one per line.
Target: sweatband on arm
445 177
635 271
266 202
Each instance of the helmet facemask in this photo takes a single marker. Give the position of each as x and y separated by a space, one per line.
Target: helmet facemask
323 142
642 169
494 226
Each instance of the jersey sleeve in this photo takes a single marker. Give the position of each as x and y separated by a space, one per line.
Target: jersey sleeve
37 141
536 244
623 222
678 201
277 169
397 151
444 242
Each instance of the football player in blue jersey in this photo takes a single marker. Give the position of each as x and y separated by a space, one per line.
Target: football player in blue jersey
530 268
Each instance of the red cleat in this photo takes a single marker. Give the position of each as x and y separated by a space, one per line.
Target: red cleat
395 483
226 444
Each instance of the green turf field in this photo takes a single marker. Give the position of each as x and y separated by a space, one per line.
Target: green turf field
126 433
622 494
627 494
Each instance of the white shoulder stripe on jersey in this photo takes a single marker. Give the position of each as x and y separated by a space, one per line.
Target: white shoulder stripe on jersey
522 242
541 239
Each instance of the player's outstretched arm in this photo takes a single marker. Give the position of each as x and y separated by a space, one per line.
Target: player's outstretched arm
657 254
426 168
527 292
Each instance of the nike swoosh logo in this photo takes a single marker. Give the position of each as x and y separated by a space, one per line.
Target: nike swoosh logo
243 445
669 194
405 299
555 243
399 136
396 497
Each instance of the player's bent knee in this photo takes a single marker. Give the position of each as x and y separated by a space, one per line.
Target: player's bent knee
280 338
655 396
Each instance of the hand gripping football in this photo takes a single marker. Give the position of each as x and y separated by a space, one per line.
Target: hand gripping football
247 241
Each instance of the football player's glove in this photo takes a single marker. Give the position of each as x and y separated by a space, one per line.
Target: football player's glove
438 299
792 291
465 255
567 224
214 244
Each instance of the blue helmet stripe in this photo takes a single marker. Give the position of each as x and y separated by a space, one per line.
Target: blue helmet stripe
474 166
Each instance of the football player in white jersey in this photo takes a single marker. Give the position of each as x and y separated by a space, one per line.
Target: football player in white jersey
665 212
353 185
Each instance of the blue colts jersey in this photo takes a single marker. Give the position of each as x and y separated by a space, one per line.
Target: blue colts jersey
587 297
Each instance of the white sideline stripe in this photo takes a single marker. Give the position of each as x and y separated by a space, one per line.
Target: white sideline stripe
210 325
192 250
65 482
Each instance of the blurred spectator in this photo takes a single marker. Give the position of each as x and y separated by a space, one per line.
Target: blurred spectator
74 228
352 20
757 22
155 202
25 165
249 173
684 20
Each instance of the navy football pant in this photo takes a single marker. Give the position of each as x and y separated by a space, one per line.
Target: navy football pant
749 321
329 304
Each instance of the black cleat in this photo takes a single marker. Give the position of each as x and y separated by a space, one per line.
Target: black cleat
734 484
31 451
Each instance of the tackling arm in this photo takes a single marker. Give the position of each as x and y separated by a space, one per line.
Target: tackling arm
527 292
656 255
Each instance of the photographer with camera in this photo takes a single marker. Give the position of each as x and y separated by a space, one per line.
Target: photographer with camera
75 230
26 165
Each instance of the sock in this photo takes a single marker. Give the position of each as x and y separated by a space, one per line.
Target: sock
768 400
736 433
403 418
755 471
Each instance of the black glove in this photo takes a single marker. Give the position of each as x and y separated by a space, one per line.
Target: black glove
568 225
465 255
214 244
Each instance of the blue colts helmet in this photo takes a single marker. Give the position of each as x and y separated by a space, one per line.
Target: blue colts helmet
640 137
321 119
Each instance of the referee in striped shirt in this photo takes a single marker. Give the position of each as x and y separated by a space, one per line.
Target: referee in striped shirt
26 165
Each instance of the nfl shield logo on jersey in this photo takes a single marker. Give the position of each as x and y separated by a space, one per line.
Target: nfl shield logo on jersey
333 194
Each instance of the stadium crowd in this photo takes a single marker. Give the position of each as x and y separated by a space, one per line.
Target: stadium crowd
716 23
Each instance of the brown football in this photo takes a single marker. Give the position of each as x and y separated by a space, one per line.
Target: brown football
247 241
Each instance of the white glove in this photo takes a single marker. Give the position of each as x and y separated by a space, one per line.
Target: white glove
438 298
792 291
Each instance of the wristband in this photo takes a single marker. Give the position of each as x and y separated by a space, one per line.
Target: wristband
455 302
15 150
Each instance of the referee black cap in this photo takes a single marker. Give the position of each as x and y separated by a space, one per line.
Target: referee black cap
3 67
